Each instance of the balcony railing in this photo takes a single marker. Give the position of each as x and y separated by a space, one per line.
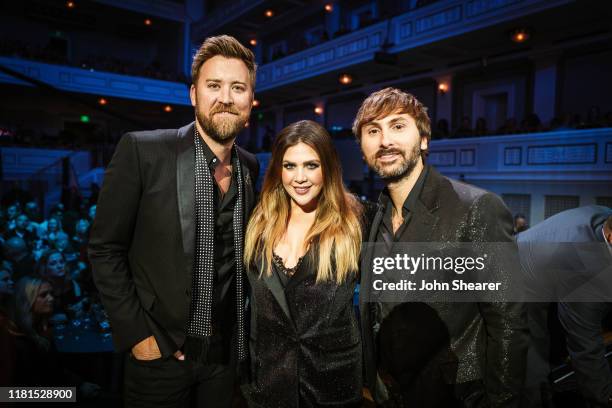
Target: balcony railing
415 28
96 82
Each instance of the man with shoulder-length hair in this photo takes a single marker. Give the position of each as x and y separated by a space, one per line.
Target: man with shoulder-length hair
432 354
166 243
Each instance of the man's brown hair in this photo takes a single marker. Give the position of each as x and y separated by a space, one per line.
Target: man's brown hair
225 46
608 224
391 101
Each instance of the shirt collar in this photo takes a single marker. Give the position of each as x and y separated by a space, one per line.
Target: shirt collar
212 160
413 195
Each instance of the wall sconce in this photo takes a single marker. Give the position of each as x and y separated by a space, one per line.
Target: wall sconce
442 88
345 79
520 35
329 7
318 110
253 42
255 103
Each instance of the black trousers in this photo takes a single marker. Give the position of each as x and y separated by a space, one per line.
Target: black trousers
168 382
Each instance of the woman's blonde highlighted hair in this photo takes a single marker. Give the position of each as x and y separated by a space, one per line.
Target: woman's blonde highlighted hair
337 226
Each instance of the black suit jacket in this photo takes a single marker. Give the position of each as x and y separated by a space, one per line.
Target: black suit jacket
305 348
487 341
564 270
143 238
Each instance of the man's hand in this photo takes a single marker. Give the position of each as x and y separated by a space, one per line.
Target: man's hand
146 350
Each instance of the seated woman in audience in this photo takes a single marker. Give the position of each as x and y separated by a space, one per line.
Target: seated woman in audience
66 291
37 362
49 229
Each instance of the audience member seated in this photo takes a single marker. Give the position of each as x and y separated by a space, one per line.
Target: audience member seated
37 361
520 223
69 297
16 251
531 124
481 128
441 131
23 229
508 128
50 229
465 129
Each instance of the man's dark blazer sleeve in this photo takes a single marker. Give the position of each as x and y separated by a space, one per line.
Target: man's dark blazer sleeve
505 322
583 325
110 241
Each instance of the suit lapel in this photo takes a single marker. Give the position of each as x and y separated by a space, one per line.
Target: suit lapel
366 259
185 189
424 219
276 288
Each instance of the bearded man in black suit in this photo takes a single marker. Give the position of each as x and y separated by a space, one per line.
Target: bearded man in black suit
432 354
166 244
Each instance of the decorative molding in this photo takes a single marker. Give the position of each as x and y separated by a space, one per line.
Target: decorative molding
20 163
439 19
425 25
567 155
467 157
477 7
513 156
442 158
582 153
344 51
97 82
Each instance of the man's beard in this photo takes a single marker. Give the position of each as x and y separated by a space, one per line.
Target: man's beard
224 129
395 173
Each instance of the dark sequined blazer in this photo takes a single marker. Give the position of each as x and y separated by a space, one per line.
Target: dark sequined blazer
304 342
453 342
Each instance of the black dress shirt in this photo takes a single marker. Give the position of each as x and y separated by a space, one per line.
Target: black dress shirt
224 294
385 232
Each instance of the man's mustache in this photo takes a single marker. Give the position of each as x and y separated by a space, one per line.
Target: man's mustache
382 152
224 108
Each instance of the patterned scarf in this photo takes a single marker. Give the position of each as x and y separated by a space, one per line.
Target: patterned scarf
199 326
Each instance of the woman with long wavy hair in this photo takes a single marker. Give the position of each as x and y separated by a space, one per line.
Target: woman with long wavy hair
302 252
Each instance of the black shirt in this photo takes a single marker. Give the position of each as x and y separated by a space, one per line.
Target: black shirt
224 295
385 231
